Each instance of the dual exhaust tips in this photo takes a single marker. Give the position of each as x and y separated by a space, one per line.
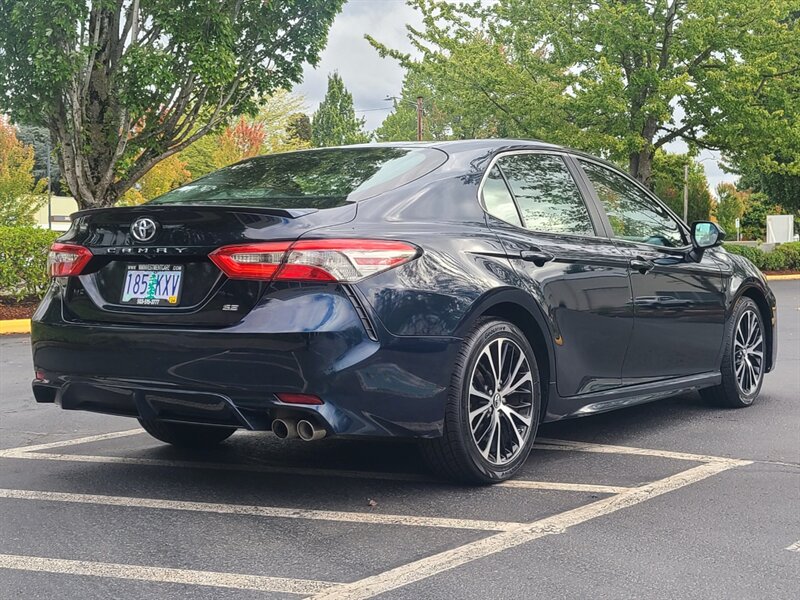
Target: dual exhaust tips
291 428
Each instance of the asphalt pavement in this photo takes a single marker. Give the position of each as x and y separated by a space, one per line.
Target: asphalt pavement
673 499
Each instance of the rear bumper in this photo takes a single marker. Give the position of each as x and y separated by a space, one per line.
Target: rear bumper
392 386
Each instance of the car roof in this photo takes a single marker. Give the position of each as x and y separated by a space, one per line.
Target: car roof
479 147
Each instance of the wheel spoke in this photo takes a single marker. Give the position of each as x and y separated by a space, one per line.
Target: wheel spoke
511 413
479 411
488 448
513 388
476 392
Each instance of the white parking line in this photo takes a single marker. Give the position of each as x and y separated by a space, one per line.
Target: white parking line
163 575
438 563
73 442
573 446
259 511
794 547
527 484
287 470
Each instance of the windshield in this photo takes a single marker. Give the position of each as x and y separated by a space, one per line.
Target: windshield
309 179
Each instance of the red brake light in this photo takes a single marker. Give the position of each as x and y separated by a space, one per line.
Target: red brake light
345 260
67 260
250 261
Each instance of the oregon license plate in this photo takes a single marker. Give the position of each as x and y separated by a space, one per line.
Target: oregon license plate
152 285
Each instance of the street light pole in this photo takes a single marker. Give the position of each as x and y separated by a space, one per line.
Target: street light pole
49 187
419 118
686 193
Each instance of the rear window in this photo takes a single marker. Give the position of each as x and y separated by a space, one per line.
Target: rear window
310 179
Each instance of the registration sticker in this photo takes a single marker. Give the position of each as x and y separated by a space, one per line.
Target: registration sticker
152 285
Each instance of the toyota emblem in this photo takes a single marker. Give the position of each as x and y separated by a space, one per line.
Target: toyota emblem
144 229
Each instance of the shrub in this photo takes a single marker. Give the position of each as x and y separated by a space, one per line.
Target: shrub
790 253
753 254
774 261
23 261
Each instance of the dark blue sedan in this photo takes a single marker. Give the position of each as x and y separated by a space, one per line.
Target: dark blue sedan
460 293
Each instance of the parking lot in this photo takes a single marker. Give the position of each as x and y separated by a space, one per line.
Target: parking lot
672 499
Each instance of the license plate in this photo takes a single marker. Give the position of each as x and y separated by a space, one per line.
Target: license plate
152 285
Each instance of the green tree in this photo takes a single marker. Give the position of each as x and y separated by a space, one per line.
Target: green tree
299 128
39 139
667 183
18 198
754 220
123 85
620 78
730 206
335 122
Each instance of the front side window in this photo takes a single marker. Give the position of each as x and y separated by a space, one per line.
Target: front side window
498 200
547 195
634 216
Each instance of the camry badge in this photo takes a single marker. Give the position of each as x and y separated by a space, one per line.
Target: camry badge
144 229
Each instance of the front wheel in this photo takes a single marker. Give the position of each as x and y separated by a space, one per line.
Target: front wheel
186 435
493 407
743 360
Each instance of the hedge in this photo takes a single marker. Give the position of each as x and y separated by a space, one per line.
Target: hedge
23 261
785 257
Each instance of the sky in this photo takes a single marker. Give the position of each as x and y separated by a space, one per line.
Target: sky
371 78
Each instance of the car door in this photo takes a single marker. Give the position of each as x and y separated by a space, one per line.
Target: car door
679 302
556 243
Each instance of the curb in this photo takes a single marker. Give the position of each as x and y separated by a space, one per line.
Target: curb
15 326
792 277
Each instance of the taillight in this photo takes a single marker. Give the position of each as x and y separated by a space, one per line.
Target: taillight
343 260
67 260
250 261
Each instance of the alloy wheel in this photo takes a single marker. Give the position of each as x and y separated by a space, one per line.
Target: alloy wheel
748 353
501 401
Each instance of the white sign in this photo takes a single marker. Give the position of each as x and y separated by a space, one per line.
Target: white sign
780 229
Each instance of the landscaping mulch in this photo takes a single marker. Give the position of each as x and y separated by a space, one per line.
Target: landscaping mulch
789 272
17 309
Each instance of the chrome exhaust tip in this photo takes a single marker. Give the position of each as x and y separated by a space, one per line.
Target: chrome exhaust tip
309 432
284 429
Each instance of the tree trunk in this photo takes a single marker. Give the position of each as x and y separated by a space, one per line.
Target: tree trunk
640 164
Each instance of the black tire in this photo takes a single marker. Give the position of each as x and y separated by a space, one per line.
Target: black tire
456 455
186 435
730 393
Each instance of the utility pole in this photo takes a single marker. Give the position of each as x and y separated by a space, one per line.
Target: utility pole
419 118
686 193
49 187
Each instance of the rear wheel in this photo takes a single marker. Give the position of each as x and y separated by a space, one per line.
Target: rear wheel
186 435
493 407
744 358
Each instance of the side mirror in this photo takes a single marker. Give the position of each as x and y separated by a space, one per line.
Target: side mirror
706 234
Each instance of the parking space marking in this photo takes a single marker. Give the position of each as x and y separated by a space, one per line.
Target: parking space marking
450 559
590 488
236 581
259 511
33 453
573 446
73 442
794 547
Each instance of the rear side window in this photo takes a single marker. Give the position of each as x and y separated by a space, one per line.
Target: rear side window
547 195
310 179
633 215
498 200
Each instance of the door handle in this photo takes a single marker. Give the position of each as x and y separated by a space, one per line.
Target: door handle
641 264
536 256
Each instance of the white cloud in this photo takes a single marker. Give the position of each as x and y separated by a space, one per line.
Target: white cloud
369 77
